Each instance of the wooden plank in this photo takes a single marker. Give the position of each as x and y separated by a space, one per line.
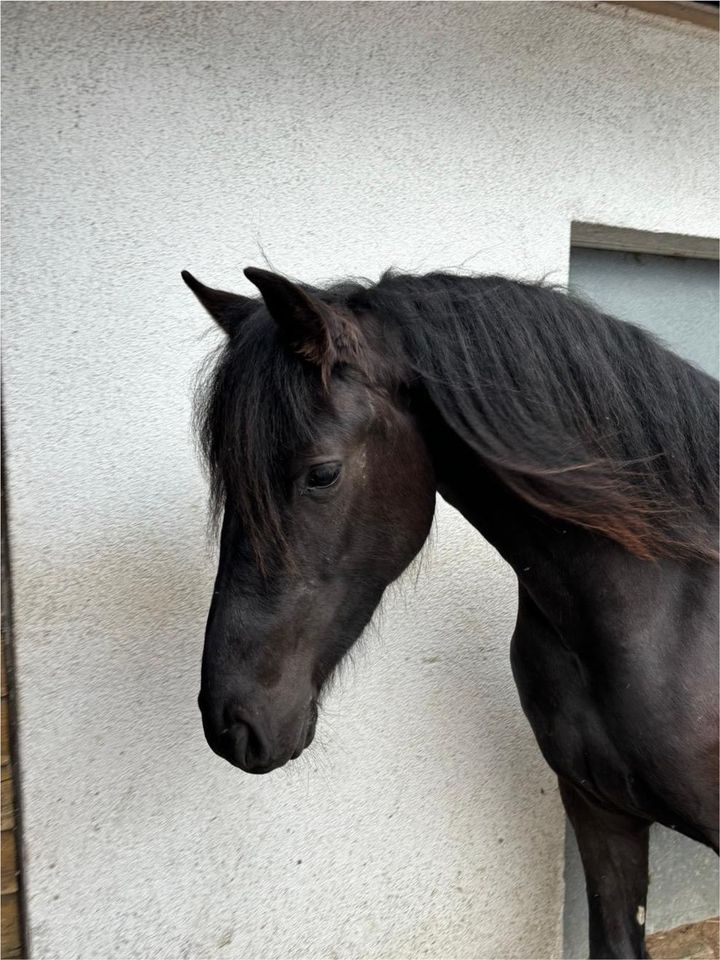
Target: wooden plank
12 942
8 867
5 729
691 941
7 805
702 15
600 236
10 910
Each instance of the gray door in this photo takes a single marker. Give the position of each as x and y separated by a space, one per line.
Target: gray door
677 299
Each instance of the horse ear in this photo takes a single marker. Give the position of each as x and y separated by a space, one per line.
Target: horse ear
309 327
228 310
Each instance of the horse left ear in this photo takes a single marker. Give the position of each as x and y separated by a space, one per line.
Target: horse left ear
228 310
309 327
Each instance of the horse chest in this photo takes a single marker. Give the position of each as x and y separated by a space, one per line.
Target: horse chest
568 714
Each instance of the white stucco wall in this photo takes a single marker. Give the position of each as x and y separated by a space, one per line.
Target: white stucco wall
140 139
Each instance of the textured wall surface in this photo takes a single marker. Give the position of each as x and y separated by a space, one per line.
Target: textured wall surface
143 138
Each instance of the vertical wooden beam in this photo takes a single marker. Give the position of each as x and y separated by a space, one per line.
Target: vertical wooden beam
12 927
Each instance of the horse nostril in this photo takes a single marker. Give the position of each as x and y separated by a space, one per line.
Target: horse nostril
247 744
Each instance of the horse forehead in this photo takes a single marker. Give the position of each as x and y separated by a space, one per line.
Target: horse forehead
351 402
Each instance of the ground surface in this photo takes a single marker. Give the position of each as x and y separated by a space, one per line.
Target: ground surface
691 941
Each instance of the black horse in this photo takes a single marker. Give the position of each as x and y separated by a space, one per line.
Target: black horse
581 448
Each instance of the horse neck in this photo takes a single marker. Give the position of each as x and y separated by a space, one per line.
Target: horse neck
475 491
551 555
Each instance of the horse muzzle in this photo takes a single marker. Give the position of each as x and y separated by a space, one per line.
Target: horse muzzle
251 741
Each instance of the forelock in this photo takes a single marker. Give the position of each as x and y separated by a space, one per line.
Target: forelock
255 406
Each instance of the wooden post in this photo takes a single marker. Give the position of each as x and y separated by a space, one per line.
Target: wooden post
12 939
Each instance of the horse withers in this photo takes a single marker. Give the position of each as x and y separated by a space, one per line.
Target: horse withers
580 447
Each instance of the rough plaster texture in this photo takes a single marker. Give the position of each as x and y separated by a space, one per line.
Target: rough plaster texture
143 138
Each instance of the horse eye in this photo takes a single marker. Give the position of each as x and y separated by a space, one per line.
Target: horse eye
323 475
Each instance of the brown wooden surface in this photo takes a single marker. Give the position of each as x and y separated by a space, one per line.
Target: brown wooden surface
698 13
7 804
10 925
11 942
691 941
600 236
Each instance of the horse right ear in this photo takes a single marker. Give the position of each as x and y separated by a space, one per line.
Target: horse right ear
228 310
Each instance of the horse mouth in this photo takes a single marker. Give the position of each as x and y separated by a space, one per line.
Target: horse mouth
306 738
258 769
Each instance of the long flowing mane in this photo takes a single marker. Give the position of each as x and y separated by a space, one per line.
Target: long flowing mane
586 417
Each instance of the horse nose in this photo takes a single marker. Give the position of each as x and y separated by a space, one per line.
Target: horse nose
236 736
234 733
244 741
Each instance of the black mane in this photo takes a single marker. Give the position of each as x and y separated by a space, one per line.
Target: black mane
256 404
588 418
